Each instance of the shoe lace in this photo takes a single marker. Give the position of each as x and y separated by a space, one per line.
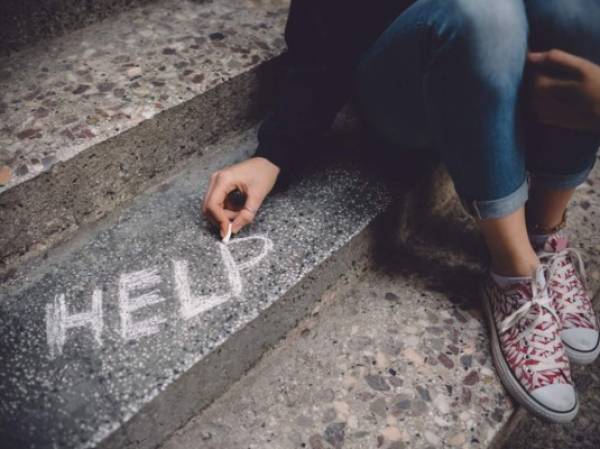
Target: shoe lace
528 317
567 266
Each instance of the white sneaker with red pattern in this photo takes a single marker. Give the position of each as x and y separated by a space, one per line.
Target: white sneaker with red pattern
571 299
528 352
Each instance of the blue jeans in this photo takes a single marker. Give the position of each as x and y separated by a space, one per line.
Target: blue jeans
448 74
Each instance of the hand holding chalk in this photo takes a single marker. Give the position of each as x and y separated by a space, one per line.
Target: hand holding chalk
235 201
226 203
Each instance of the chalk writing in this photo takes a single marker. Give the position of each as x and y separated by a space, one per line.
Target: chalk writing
139 289
58 321
132 282
190 306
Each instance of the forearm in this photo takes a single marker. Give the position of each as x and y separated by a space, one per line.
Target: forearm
315 85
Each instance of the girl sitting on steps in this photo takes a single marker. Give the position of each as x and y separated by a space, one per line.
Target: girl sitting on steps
451 73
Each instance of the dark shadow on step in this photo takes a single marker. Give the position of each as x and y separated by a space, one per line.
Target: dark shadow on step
442 248
425 231
24 23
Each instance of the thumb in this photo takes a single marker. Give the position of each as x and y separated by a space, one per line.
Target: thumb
224 228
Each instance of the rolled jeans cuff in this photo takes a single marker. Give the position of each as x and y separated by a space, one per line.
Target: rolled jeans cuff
500 207
561 182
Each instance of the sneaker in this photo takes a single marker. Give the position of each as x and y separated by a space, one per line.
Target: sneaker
528 352
580 331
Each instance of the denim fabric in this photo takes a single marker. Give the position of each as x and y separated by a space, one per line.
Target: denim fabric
450 72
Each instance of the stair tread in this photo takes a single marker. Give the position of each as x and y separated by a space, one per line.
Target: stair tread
71 92
396 359
76 392
392 361
22 24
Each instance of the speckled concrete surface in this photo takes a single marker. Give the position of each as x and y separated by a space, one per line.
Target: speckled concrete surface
389 364
399 359
90 120
66 94
22 23
70 382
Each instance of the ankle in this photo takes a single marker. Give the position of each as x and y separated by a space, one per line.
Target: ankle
545 224
522 265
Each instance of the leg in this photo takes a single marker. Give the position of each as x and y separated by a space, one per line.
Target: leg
546 207
456 65
560 159
509 246
452 69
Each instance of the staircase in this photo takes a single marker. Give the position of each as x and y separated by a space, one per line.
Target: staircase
95 117
345 316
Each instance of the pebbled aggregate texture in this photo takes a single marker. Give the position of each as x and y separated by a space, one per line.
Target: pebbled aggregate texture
78 398
399 359
24 23
68 93
389 364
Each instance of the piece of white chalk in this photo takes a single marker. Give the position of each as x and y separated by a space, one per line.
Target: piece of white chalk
228 235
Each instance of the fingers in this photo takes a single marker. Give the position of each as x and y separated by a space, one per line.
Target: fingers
230 214
215 199
553 101
254 177
247 214
547 83
244 218
548 95
557 60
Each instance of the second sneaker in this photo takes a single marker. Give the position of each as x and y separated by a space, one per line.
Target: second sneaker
570 297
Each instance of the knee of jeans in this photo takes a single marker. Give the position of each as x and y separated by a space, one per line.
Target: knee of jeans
572 25
494 33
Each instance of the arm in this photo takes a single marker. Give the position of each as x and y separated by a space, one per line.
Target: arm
316 83
315 86
565 90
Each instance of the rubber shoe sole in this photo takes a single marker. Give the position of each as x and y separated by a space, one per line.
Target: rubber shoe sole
582 357
510 382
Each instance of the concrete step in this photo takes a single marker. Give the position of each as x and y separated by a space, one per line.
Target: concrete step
118 337
386 362
528 432
23 23
92 118
398 358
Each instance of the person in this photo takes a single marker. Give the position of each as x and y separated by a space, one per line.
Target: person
496 88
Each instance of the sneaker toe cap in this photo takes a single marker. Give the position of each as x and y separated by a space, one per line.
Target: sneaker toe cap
557 397
581 339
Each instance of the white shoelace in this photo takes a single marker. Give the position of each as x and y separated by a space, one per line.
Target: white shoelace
559 266
540 339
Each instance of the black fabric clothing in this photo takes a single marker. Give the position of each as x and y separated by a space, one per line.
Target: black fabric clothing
325 39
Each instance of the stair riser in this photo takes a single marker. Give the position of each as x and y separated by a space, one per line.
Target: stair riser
51 207
24 23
